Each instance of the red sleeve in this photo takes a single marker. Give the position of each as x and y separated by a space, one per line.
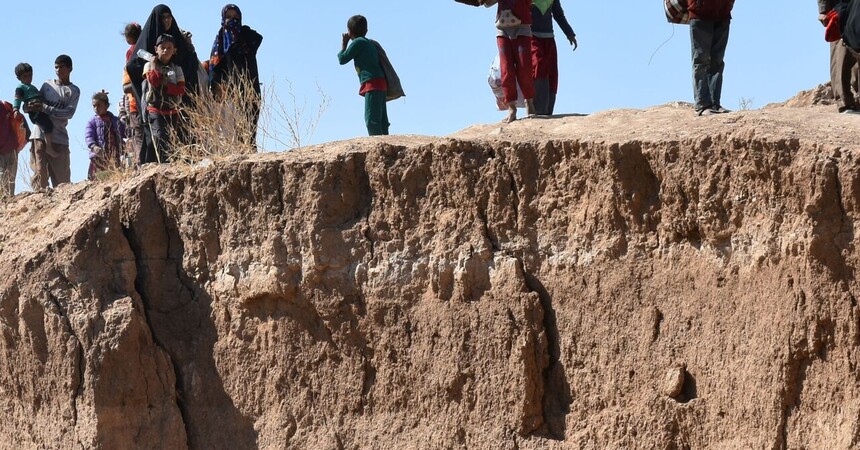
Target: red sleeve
154 77
176 89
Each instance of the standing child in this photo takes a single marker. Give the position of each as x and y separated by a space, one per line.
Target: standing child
129 112
513 21
165 86
374 86
545 52
26 93
104 137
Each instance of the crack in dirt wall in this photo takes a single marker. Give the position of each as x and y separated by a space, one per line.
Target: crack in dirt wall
456 294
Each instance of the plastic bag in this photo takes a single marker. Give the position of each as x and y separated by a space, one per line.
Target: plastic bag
494 79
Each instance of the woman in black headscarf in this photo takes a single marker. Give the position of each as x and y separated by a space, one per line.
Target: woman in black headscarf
160 22
234 53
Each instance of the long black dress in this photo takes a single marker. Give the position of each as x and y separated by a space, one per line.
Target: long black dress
185 57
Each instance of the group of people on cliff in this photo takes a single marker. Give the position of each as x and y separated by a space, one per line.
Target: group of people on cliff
529 59
162 75
529 56
163 72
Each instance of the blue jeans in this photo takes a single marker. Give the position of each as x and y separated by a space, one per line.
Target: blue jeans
708 40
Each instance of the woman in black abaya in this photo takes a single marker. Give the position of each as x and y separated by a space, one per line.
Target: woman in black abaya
161 21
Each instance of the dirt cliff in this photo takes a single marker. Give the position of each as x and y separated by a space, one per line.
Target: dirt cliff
630 279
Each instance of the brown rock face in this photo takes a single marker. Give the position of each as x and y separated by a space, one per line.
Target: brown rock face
533 286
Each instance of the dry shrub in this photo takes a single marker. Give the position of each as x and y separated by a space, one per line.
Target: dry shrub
291 125
218 125
118 171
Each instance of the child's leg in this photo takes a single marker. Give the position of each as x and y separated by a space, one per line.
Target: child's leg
375 113
507 63
541 76
524 72
176 132
552 71
43 121
385 115
158 125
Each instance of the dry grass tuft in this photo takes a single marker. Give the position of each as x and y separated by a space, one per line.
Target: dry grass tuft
218 125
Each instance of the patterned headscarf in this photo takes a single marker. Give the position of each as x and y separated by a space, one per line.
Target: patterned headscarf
226 35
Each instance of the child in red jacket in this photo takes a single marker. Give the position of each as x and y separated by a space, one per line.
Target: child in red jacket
165 88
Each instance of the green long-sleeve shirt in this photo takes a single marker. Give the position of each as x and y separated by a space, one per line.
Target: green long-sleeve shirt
366 57
24 93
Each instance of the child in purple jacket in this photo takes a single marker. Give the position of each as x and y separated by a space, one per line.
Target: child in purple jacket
104 137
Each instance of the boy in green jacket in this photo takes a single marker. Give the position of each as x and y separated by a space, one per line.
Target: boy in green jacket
373 83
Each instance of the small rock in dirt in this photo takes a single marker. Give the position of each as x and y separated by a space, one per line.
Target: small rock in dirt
673 382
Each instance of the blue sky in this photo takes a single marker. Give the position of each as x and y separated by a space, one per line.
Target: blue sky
441 49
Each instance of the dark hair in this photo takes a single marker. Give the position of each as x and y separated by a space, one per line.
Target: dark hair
132 30
22 68
357 25
164 38
63 60
101 97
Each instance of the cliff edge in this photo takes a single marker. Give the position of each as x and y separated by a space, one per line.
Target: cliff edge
630 279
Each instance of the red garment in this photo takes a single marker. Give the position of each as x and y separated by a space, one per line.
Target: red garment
832 33
717 10
545 61
373 84
515 56
176 90
521 8
155 77
132 102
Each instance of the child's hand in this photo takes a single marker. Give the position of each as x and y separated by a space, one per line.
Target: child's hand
574 43
346 38
96 150
32 106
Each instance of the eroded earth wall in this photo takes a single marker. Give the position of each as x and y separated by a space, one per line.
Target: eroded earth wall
557 292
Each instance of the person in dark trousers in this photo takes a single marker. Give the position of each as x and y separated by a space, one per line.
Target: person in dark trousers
843 67
709 35
373 83
164 89
545 53
234 53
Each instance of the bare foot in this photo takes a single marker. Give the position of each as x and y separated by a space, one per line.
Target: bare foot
512 113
